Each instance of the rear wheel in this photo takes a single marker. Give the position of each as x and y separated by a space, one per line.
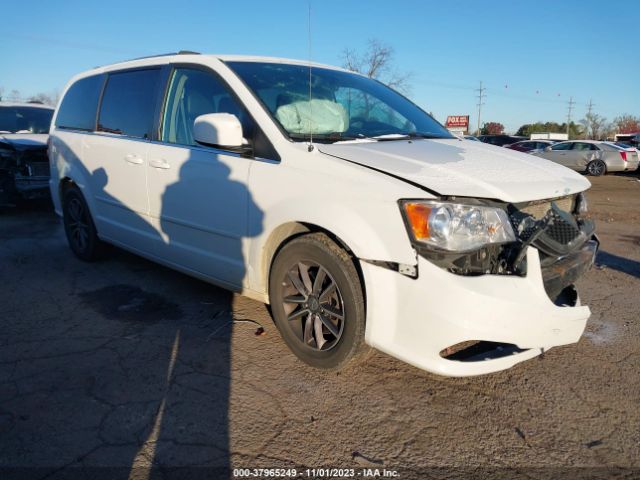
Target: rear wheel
317 302
79 227
596 168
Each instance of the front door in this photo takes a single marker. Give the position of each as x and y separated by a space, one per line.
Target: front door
198 195
559 153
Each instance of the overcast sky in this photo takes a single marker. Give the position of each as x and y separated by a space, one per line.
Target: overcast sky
531 56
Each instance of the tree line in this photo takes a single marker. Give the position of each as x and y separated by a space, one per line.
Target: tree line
592 127
44 98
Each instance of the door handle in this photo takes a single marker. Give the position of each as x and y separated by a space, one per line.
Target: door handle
134 159
160 163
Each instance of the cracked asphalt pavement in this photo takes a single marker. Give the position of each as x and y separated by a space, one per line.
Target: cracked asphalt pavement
141 371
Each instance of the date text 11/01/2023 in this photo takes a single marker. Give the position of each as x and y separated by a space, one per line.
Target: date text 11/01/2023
315 473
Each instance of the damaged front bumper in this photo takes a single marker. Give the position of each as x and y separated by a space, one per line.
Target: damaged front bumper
23 175
510 317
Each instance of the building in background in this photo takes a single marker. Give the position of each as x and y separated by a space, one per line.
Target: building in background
549 136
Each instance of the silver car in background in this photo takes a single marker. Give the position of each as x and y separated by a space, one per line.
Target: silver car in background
593 157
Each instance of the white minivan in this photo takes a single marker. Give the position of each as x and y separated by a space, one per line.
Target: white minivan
353 213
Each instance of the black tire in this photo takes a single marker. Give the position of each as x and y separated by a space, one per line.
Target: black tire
311 340
596 168
79 227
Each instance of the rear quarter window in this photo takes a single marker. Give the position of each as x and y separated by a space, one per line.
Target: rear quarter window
78 108
128 103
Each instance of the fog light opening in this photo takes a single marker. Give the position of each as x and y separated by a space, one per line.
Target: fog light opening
479 351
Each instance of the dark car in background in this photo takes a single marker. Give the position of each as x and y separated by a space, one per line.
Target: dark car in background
24 166
530 145
500 140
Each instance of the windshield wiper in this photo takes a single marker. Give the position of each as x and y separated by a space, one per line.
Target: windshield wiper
322 137
403 136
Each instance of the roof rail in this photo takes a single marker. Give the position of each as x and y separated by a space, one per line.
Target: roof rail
181 52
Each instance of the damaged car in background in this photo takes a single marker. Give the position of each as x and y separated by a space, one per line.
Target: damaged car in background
24 166
358 217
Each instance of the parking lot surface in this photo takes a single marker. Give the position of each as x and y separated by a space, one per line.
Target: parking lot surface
144 372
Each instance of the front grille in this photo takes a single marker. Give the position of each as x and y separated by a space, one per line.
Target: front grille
561 230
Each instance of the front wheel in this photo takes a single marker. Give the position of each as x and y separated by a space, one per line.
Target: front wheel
596 168
317 302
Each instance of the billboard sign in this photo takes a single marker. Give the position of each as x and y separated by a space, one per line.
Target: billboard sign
457 122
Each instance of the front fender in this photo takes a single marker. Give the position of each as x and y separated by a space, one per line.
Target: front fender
371 230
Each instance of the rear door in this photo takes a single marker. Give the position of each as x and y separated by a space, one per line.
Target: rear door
116 156
581 154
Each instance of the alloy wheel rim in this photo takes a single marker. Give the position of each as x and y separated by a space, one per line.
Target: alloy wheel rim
77 224
313 306
596 168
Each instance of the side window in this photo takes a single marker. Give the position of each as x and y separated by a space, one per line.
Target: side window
78 108
561 146
128 103
582 146
193 93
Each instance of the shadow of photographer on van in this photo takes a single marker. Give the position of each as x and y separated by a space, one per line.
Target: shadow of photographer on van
198 180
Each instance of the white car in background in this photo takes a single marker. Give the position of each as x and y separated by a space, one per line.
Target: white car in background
591 156
353 213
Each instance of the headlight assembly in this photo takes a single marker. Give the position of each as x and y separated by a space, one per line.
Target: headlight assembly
456 227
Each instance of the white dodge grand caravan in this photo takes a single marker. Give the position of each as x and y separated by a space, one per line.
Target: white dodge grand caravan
346 207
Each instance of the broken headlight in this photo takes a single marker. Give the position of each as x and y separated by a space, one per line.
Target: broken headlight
456 227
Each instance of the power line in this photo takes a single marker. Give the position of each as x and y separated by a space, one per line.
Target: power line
570 108
480 96
590 106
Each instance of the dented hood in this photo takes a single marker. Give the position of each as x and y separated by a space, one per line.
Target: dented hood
464 168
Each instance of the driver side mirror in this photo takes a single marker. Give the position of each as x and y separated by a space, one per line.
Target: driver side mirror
219 130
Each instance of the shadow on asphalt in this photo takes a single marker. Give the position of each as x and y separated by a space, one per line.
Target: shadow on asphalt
621 264
132 372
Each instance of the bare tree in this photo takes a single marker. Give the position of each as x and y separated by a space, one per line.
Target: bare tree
14 96
41 97
596 126
377 62
1 93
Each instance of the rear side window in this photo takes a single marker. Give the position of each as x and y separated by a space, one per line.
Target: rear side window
561 146
78 108
128 103
580 146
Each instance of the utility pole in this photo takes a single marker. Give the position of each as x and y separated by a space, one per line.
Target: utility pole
481 96
570 108
590 106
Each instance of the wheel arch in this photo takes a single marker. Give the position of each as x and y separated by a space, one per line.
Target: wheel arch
285 233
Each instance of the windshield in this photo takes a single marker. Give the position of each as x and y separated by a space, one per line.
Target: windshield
25 119
343 105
